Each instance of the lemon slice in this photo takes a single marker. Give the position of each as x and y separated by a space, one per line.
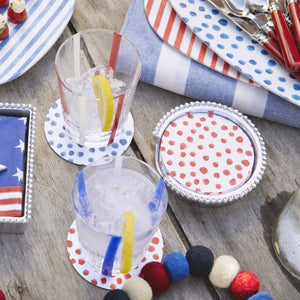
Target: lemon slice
105 103
128 239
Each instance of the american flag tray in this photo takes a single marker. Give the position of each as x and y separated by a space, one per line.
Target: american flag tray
17 139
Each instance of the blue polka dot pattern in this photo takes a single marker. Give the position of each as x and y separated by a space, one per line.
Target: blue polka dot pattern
209 36
269 71
66 148
223 22
236 47
123 142
296 87
224 36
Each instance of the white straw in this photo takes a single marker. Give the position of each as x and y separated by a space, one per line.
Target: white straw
118 162
82 101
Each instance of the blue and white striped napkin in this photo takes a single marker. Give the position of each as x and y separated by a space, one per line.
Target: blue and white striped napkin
167 68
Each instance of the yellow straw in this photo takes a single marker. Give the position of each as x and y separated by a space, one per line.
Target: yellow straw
128 241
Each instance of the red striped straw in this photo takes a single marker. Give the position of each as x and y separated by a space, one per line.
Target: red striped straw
117 118
112 63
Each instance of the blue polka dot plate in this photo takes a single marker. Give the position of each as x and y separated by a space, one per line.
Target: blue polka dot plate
69 150
236 47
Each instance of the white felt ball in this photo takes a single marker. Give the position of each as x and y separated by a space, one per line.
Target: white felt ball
138 289
224 270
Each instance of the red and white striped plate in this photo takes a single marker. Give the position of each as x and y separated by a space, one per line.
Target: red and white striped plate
171 29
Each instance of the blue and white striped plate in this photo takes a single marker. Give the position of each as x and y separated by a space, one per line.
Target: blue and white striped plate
29 41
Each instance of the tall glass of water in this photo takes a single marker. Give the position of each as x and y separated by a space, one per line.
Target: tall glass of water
103 192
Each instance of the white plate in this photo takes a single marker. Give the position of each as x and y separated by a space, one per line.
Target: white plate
29 41
236 47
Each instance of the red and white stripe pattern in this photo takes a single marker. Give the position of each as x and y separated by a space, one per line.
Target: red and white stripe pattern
171 29
11 201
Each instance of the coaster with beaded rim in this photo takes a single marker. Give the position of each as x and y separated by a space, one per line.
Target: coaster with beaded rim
209 153
69 150
153 253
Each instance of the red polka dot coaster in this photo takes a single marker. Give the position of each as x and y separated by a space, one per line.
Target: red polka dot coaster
209 153
153 253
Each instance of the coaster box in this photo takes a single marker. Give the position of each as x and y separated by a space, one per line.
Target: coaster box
18 224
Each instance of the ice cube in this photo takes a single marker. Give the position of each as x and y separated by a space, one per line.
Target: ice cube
116 86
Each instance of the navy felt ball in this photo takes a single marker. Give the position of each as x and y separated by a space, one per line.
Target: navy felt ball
177 266
116 295
200 260
261 296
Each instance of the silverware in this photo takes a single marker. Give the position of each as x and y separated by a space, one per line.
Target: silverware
253 30
244 12
290 53
294 13
248 26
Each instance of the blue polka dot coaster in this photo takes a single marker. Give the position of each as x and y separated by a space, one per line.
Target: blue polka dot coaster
69 150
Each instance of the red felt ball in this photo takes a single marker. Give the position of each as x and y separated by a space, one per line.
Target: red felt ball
157 277
244 285
2 296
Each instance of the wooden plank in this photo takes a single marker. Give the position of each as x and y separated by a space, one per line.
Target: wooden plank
35 264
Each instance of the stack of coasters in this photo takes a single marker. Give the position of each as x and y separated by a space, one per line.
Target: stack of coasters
17 134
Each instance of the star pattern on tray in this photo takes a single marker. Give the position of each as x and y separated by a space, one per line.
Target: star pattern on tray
12 150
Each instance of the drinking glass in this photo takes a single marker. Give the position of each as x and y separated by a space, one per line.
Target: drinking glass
286 236
102 193
81 57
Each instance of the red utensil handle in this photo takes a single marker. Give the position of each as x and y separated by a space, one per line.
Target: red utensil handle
273 49
294 10
287 45
272 35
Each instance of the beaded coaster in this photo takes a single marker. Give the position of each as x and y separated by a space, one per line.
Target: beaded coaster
153 253
69 150
209 153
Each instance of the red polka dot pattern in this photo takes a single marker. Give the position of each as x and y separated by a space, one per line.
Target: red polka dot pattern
153 253
207 153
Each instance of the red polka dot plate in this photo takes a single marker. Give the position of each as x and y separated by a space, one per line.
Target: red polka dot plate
209 153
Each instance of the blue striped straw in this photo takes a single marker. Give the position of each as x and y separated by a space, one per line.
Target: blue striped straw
155 203
84 206
110 255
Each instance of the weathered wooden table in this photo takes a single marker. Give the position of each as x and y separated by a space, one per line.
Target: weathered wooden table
35 265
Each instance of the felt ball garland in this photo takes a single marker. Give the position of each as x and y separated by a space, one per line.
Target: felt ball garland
223 272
